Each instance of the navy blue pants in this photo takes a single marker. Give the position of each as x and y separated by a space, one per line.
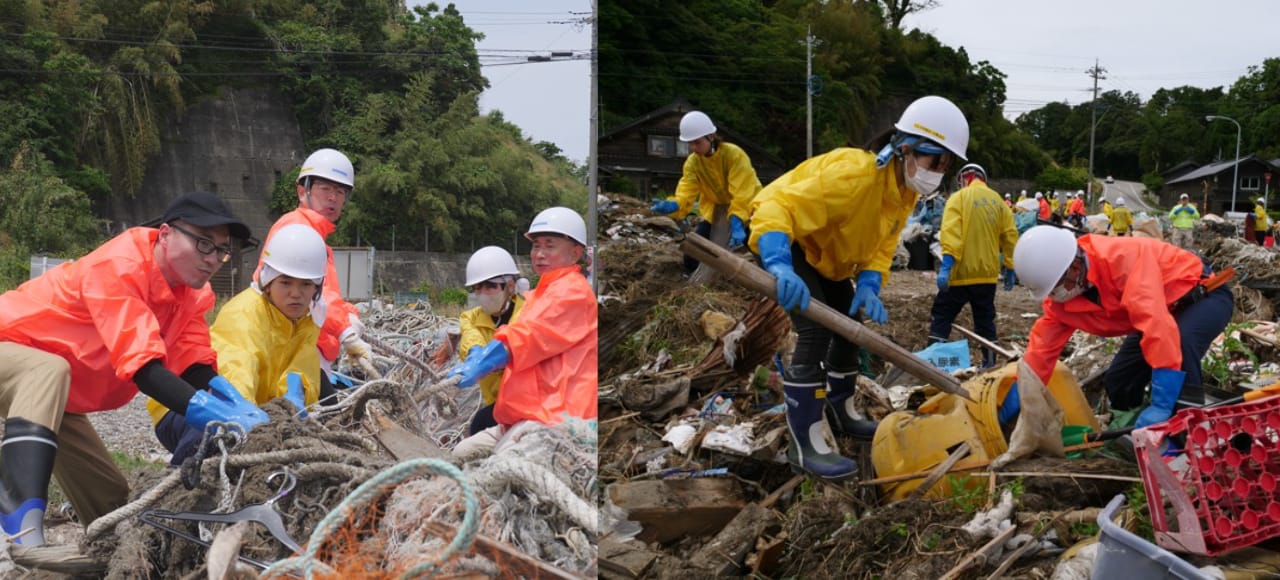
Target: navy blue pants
704 230
1127 378
816 346
178 437
947 305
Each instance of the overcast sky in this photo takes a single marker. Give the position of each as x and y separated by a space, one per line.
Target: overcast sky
548 100
1045 47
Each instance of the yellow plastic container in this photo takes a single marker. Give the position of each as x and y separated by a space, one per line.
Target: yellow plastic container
911 442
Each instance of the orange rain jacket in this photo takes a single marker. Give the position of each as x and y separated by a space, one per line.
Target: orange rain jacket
338 311
1137 280
108 314
1076 207
552 370
1046 210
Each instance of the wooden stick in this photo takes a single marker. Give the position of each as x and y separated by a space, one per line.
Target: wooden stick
620 417
1059 474
752 277
982 553
778 493
1259 336
705 274
960 453
1023 549
509 558
980 464
64 559
984 342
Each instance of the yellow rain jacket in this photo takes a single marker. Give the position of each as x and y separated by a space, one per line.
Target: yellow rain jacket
725 177
1262 222
976 227
1107 210
1121 220
845 214
258 347
477 328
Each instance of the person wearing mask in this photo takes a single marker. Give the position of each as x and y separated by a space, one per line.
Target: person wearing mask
548 354
265 339
491 277
715 173
1145 290
833 218
1261 221
325 183
1121 218
977 238
87 336
1183 218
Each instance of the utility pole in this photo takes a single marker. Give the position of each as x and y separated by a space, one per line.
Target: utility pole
808 92
592 164
1096 73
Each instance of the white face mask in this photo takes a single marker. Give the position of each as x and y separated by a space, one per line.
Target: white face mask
492 303
925 181
1061 294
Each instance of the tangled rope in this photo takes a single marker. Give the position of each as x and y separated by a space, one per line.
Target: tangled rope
309 565
503 470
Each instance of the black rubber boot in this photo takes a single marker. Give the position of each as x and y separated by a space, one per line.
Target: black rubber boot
26 464
840 412
812 448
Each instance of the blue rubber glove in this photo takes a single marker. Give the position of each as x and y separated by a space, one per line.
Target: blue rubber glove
480 362
1166 385
1012 404
775 253
867 297
223 403
295 394
664 206
944 273
737 232
1010 278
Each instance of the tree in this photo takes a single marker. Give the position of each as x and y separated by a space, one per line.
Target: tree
897 10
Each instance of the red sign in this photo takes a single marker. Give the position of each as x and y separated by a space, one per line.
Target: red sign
1268 176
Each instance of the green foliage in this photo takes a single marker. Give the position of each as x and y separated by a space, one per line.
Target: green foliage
1136 498
1152 181
622 184
1217 362
455 296
1058 177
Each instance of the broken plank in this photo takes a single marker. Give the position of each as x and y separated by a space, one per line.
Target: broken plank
63 559
624 559
401 443
672 509
507 557
725 553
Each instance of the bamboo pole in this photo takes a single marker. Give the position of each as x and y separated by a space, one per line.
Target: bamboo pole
752 277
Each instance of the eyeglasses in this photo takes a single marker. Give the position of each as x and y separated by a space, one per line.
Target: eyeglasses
329 189
486 285
205 245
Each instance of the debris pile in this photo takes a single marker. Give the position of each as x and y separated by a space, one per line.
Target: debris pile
693 463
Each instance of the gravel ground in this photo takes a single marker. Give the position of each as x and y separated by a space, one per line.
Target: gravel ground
128 430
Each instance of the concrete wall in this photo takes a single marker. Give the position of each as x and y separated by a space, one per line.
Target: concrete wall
236 145
403 271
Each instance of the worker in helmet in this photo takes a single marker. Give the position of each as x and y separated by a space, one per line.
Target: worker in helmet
325 183
549 352
715 173
1261 221
1121 218
1046 210
492 278
1022 196
265 338
1075 210
1008 200
836 217
91 334
978 236
1107 210
1148 291
1183 218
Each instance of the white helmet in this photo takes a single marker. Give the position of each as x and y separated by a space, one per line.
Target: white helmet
559 220
1039 195
695 125
970 169
490 262
329 164
938 120
1042 256
1119 201
294 250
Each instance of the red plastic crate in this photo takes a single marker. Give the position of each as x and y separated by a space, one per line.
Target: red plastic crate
1222 491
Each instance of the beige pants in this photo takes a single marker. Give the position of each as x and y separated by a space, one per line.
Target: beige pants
1182 237
478 445
34 386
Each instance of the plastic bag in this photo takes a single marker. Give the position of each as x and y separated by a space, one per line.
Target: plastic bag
948 356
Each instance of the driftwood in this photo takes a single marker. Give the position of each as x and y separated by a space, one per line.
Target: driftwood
980 556
720 236
63 559
981 464
1010 355
752 277
514 561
